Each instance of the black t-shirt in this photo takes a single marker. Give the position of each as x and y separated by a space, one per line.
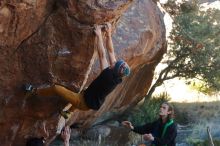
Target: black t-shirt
97 91
156 129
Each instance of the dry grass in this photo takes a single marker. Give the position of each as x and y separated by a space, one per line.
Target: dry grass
200 115
195 112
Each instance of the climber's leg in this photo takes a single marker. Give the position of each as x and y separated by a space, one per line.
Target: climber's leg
81 106
76 99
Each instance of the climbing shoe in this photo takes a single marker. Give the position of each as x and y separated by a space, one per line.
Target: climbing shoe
65 114
28 88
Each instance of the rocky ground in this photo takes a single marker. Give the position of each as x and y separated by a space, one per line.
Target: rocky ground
192 126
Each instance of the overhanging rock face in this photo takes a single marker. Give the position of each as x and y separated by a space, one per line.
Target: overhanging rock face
45 41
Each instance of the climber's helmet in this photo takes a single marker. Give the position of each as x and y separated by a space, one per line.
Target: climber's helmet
121 68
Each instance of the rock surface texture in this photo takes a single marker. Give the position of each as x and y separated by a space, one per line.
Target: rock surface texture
52 41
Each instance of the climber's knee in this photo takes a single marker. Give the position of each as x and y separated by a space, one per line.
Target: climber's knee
58 88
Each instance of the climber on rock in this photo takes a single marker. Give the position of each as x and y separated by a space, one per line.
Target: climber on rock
94 96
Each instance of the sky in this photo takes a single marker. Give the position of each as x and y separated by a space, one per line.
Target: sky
180 92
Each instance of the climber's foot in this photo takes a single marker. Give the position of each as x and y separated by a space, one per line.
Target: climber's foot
28 89
65 114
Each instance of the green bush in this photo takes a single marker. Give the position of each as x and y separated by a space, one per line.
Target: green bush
148 110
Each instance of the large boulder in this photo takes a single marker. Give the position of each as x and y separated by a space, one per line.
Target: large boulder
52 41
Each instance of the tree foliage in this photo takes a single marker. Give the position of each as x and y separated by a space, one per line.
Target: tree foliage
149 110
194 45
